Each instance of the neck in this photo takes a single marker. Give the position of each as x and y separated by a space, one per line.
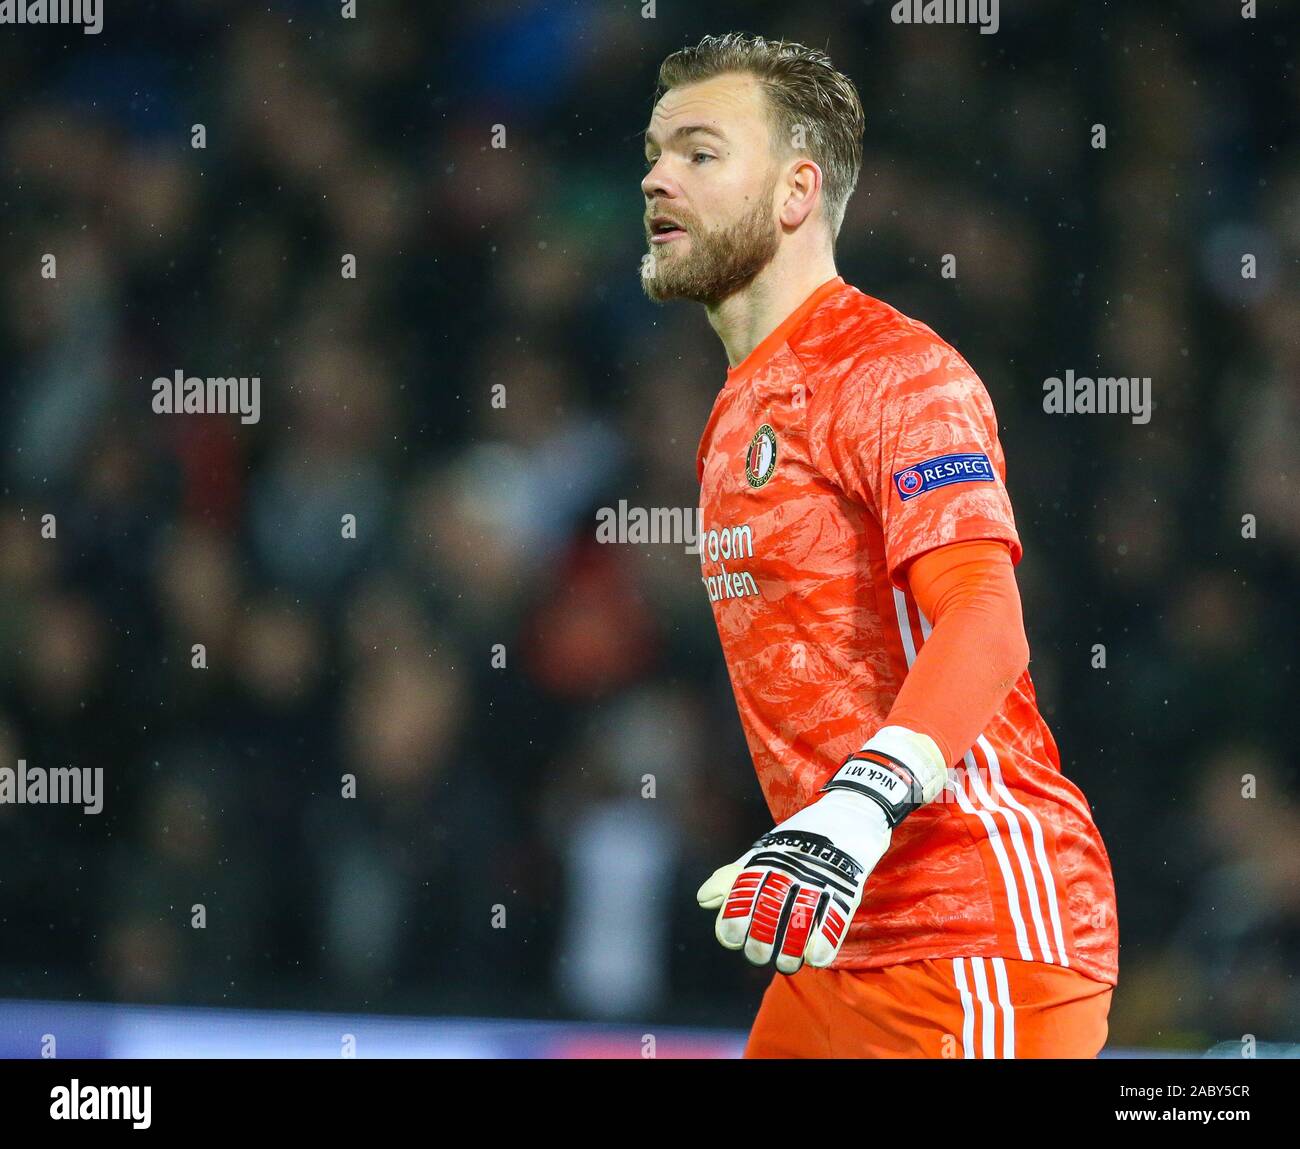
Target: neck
746 317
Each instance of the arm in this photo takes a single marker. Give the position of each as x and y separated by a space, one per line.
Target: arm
976 650
975 653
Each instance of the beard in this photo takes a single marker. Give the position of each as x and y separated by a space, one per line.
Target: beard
717 263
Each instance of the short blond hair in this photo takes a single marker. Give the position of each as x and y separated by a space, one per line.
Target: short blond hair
803 91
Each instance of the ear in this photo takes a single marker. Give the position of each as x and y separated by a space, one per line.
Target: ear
802 187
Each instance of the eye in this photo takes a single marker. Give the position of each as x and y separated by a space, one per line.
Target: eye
650 162
697 156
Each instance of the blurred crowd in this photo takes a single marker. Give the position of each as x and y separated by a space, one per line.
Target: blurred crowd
471 760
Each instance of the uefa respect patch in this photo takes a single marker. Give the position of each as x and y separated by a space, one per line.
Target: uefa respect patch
972 467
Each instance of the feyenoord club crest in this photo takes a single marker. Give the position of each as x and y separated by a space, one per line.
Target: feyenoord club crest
760 459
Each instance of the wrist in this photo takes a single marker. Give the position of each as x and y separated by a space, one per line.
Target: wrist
897 769
863 812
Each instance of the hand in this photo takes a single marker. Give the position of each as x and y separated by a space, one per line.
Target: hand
794 892
796 889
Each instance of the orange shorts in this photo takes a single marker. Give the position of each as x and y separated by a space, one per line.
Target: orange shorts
938 1007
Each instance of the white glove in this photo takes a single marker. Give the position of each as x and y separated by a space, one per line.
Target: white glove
794 892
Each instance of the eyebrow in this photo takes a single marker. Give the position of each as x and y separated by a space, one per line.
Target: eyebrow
687 130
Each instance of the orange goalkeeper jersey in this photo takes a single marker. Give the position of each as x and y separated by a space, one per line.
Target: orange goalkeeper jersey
851 440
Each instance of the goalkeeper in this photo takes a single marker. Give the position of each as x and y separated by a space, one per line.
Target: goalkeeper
933 885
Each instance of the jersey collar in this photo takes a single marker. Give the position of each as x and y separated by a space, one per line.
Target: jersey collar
776 339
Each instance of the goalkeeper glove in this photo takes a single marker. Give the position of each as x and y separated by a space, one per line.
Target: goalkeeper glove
794 892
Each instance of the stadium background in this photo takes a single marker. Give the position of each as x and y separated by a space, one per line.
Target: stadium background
520 787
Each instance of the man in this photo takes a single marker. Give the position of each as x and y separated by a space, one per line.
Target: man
933 887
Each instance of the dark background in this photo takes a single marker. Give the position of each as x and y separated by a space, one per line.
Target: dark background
520 787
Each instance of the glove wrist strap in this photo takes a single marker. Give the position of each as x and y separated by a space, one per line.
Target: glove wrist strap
898 769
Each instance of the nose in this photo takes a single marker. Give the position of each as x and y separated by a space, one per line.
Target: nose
656 184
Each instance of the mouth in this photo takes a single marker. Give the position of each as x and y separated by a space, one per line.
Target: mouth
664 229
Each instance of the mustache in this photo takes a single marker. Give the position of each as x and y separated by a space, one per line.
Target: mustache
684 218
